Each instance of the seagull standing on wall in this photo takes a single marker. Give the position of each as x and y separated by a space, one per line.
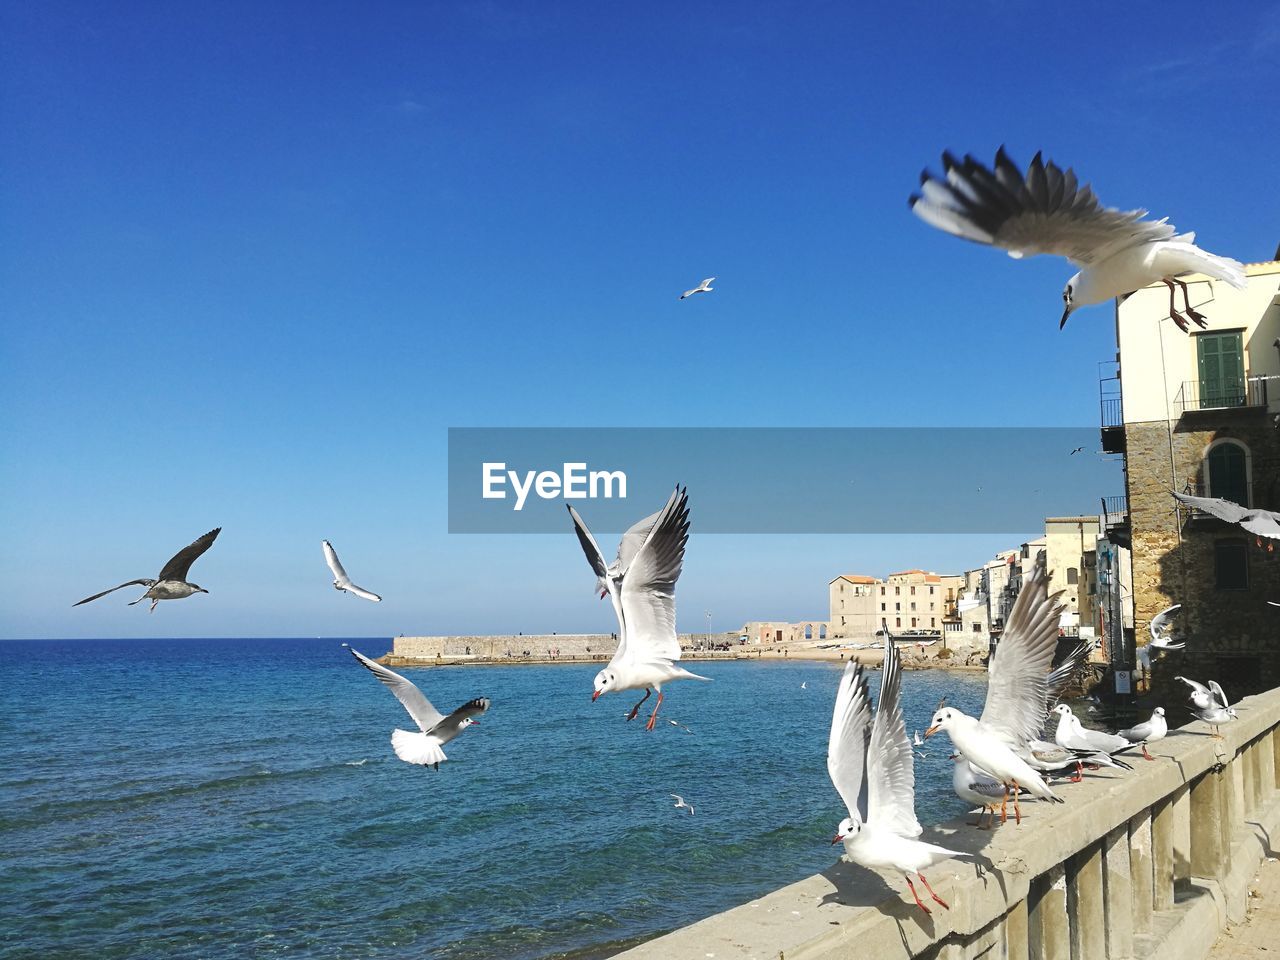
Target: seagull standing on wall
641 583
1046 211
172 583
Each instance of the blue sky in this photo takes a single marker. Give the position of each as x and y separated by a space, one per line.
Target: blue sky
261 257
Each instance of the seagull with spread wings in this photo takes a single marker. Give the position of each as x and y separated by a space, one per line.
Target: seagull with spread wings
1209 704
435 729
641 583
1017 696
1045 210
703 287
172 583
872 768
1261 523
341 582
1161 630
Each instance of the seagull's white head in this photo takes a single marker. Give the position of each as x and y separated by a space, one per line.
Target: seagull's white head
849 827
1069 299
467 722
1062 710
946 719
1159 711
198 589
337 585
605 681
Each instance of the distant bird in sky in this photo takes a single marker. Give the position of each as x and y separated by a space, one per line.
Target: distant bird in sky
1209 704
172 583
703 287
1148 731
870 764
641 583
680 803
435 728
1077 450
1261 523
1161 629
1046 211
341 581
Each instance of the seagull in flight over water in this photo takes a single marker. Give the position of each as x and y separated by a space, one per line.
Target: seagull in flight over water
435 728
870 764
1046 211
641 583
341 582
703 287
680 803
172 583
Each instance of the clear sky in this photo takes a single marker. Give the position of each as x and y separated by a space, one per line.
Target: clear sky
257 258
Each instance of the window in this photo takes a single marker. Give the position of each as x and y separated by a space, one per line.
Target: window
977 628
1221 363
1072 576
882 591
933 622
1231 565
808 631
897 621
1226 469
882 606
913 591
897 591
822 632
897 606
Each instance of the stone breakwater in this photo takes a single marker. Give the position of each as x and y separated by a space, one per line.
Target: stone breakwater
530 647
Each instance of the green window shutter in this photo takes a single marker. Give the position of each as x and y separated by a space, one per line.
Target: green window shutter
1228 478
1220 358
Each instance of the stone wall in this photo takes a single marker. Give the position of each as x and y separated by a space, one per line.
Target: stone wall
504 646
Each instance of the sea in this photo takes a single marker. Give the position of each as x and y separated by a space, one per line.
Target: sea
240 798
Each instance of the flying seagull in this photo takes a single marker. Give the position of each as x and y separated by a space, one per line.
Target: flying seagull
1261 523
680 803
1209 704
871 766
172 583
1077 450
435 728
641 583
1161 628
1046 211
703 287
341 582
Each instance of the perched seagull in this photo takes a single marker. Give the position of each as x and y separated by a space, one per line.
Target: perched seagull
703 287
341 582
1052 758
641 583
1261 523
1209 704
1073 735
870 764
436 729
1017 696
172 583
977 789
681 804
1046 211
1161 629
1149 732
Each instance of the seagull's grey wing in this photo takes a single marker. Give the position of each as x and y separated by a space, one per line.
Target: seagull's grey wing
362 592
331 558
453 722
424 714
178 567
1017 681
891 777
705 283
648 594
1214 506
142 583
1043 211
1137 733
634 539
589 545
1218 695
1061 675
850 730
1262 523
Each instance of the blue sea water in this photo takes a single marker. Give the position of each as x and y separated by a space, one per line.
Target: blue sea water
233 798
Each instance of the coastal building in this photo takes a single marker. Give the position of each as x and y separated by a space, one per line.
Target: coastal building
854 605
916 599
1200 413
779 631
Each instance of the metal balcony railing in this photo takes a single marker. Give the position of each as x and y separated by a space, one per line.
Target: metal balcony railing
1112 409
1196 395
1115 511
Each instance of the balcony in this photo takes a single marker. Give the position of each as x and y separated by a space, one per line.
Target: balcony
1195 396
1115 519
1112 414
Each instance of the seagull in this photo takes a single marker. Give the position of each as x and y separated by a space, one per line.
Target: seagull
1046 211
804 684
1017 696
674 723
436 729
1072 735
172 583
1051 758
641 583
916 740
1077 450
341 582
1261 523
977 789
1209 704
1161 628
1272 603
870 765
681 804
1148 732
703 287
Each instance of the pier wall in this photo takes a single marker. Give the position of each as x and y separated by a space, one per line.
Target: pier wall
513 646
1151 863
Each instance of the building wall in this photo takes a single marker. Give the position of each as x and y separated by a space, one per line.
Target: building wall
1071 545
854 607
778 631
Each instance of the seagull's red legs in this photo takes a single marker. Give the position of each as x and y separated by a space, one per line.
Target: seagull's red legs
1144 751
936 898
1198 318
1174 315
636 708
919 902
654 716
1017 810
1079 774
1004 802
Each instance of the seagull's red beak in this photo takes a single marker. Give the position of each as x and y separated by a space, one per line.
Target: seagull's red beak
837 838
603 594
931 731
595 695
475 723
